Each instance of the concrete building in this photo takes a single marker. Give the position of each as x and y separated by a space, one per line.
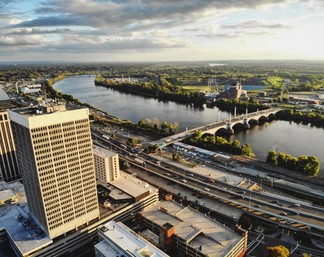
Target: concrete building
54 152
187 232
9 170
118 240
233 92
28 239
106 164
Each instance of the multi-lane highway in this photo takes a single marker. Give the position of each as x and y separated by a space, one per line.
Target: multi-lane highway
289 212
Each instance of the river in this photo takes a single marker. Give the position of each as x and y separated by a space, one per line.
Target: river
288 137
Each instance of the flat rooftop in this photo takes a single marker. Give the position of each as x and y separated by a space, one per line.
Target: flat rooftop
127 241
102 152
197 230
131 185
22 231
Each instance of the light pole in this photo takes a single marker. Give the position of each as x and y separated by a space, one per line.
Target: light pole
250 197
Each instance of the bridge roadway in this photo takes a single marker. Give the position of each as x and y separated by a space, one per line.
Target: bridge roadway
212 128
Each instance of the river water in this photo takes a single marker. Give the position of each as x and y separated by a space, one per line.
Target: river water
288 137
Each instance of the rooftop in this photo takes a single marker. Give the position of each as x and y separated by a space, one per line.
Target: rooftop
196 229
126 240
131 185
23 231
102 152
3 95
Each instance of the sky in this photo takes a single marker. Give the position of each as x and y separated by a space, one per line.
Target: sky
164 30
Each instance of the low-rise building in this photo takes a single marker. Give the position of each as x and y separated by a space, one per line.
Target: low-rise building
118 240
190 233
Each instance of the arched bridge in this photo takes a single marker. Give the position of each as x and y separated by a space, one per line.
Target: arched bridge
227 125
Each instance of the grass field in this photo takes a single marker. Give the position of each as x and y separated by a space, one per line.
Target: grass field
197 88
273 81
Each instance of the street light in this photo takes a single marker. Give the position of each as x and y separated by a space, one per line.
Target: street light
250 197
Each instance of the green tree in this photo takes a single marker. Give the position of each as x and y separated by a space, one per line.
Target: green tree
175 156
272 157
313 166
164 125
247 151
278 251
132 141
141 123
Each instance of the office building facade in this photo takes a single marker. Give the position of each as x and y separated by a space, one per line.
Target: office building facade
8 162
106 164
54 152
9 170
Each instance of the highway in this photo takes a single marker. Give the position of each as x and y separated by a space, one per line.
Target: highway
274 209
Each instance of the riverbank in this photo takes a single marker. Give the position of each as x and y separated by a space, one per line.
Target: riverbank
289 137
162 90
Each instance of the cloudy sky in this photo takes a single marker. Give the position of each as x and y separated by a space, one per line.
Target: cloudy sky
163 30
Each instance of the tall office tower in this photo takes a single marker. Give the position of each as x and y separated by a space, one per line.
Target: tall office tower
8 162
106 164
54 152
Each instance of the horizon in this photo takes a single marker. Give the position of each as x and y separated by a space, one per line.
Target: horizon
152 31
217 62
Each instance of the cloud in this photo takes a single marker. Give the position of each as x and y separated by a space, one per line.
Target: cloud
131 14
52 21
6 40
76 43
256 24
36 31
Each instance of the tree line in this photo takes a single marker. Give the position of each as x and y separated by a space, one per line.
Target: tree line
314 118
229 104
216 143
309 165
163 90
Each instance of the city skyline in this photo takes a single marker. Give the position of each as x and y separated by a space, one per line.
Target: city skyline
135 30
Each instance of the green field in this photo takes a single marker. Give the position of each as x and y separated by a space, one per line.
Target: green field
197 88
273 81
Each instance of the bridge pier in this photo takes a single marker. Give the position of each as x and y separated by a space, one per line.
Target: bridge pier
245 120
229 127
246 123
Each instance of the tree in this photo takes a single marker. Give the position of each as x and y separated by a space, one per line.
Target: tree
132 141
278 251
272 157
141 123
164 125
149 122
175 156
313 166
247 151
156 123
198 134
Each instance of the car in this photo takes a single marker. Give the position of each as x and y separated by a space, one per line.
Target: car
297 205
288 223
283 213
